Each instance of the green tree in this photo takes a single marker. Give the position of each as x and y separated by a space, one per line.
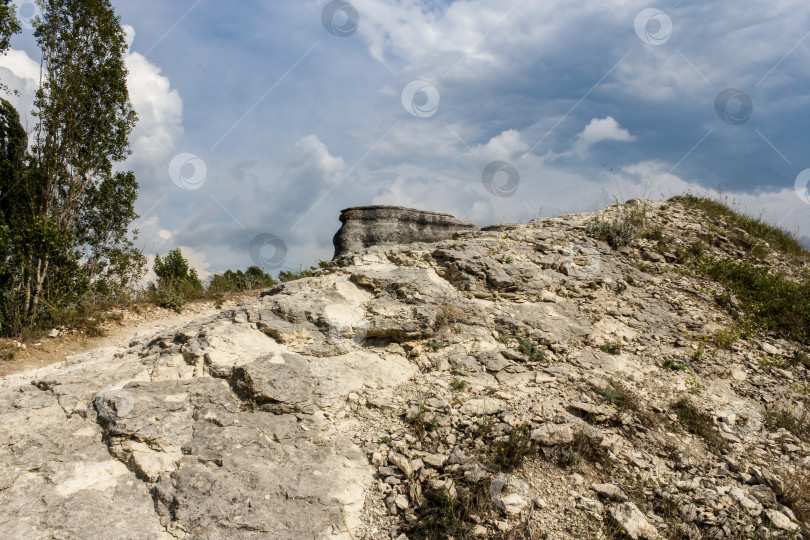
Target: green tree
13 142
177 281
82 209
174 271
9 25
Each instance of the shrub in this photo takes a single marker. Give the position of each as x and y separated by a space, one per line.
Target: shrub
509 454
699 423
253 278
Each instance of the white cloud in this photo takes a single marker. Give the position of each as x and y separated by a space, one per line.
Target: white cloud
504 146
601 129
159 108
311 160
19 63
21 73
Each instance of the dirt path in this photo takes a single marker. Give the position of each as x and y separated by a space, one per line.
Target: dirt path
46 351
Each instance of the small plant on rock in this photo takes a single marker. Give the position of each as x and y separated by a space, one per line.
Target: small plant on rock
622 229
611 348
674 365
509 454
777 417
458 385
531 349
447 315
693 384
436 345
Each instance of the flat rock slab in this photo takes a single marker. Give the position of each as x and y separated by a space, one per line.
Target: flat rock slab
112 444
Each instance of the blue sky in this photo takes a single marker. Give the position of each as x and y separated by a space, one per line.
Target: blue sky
257 121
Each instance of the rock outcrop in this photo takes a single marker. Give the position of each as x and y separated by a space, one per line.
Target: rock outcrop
366 226
570 389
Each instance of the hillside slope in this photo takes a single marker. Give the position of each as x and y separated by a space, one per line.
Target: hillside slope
524 381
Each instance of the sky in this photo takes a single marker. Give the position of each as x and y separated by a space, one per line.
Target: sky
261 120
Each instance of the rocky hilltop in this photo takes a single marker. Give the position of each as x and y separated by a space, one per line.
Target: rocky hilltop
586 376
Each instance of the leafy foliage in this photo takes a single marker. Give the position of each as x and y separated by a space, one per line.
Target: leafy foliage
9 25
177 281
64 213
252 278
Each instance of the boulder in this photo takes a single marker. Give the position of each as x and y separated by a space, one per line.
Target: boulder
366 226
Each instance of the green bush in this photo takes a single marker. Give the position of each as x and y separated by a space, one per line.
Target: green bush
230 281
177 282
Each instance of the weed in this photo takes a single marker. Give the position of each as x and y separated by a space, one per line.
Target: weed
7 352
776 417
674 365
458 385
700 424
420 423
776 360
654 233
622 229
796 493
485 425
725 338
531 349
693 251
509 454
250 405
302 272
503 338
693 384
801 388
444 515
626 402
568 456
611 348
435 345
580 448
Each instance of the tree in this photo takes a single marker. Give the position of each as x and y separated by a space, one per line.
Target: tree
13 143
174 271
9 25
82 209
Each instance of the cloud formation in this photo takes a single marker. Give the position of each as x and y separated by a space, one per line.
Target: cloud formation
294 123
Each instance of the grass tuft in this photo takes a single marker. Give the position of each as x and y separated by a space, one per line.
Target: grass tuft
700 424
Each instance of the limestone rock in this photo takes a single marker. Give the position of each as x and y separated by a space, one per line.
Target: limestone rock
509 493
633 522
365 226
